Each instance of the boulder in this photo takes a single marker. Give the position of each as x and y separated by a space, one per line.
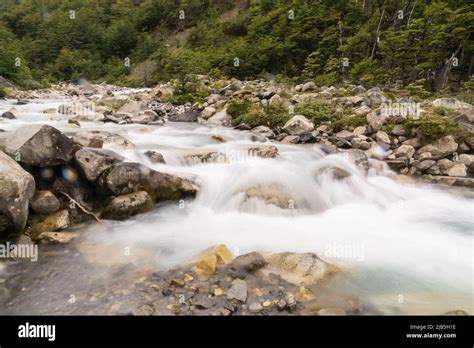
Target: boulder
54 222
187 116
405 151
124 206
133 107
358 89
125 178
415 142
264 131
154 157
458 169
362 110
45 202
374 121
222 118
57 237
9 115
382 137
270 194
213 98
276 101
264 151
207 261
298 125
359 158
291 139
148 116
423 165
248 262
297 268
450 103
93 162
398 130
208 112
361 130
98 138
466 159
360 142
17 187
376 98
441 147
344 134
309 86
444 165
423 156
40 146
162 92
206 157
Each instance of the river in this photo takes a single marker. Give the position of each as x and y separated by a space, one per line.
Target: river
406 247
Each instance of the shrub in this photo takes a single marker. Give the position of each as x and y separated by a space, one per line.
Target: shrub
244 111
316 111
188 90
417 90
433 127
238 107
346 122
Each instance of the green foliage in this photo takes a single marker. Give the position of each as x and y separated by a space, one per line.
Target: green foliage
244 111
348 122
433 127
3 92
409 52
316 111
367 72
417 90
188 90
238 107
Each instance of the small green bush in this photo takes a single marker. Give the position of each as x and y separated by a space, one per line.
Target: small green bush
316 111
237 107
244 111
189 90
433 127
348 122
417 91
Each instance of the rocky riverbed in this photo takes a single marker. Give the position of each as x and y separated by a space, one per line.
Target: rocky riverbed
146 207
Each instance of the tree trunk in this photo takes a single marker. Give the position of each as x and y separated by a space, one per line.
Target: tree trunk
443 76
378 32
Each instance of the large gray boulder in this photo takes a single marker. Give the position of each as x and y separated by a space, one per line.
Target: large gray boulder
440 148
40 146
9 115
17 187
125 178
45 202
99 138
188 116
124 206
93 162
298 125
451 103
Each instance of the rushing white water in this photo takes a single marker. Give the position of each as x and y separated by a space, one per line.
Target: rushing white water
392 237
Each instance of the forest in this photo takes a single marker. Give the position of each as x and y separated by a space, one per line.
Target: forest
422 46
